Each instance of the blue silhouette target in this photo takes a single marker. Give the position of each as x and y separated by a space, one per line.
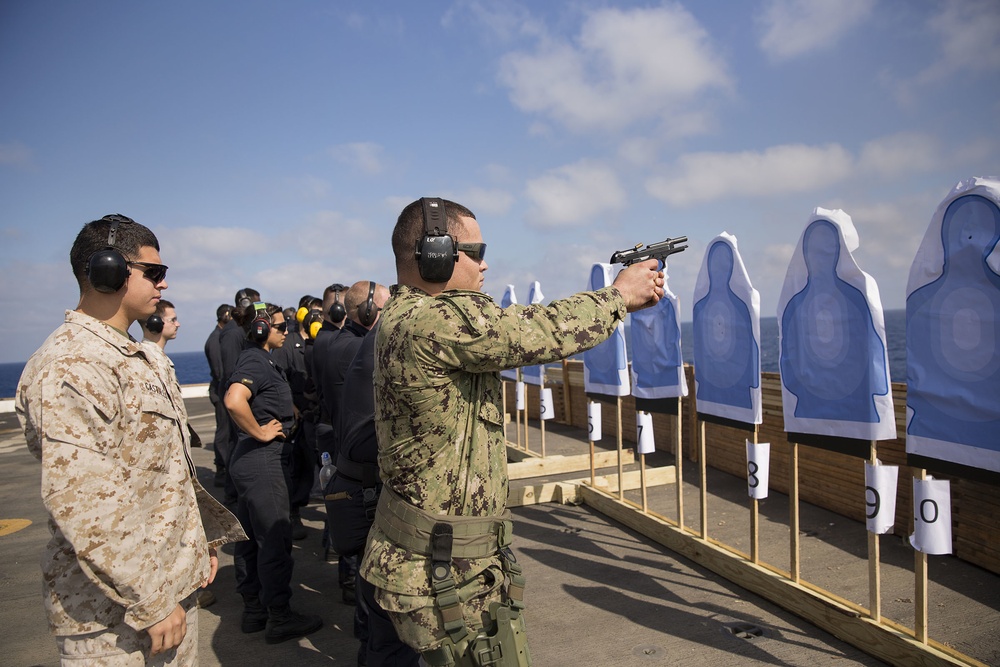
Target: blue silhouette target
727 335
657 364
833 359
952 321
605 366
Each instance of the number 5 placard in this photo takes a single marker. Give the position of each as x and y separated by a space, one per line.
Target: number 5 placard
594 421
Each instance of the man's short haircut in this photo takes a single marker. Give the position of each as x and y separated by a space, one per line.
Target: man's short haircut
223 312
410 227
129 238
162 305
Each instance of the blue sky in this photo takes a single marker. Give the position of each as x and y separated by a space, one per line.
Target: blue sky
273 144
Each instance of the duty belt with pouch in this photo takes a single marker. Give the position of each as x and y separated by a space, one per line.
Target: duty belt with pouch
365 474
443 537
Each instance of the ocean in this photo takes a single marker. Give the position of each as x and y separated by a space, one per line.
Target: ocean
192 367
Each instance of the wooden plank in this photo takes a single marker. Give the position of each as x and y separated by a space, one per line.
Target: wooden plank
633 479
839 618
567 492
558 464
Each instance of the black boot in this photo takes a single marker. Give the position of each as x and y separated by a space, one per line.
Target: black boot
298 530
254 615
284 624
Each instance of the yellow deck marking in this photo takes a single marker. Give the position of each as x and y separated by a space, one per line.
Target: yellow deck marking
8 526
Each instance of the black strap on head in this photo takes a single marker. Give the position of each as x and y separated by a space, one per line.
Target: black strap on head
338 311
436 252
367 311
107 269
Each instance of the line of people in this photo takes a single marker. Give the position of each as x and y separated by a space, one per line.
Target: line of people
403 392
288 385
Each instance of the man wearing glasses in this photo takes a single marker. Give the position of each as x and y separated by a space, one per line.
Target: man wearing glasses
133 533
438 553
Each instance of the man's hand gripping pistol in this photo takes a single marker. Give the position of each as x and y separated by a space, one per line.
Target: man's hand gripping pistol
659 251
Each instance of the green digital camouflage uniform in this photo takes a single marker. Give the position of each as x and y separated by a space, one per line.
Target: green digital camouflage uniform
442 446
130 524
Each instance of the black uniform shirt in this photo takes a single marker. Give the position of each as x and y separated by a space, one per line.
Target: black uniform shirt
270 395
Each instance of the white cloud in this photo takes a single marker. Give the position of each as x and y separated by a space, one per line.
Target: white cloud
899 153
198 247
969 33
702 177
573 193
794 27
624 66
308 187
483 201
363 156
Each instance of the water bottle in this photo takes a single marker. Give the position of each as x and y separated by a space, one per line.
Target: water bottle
326 471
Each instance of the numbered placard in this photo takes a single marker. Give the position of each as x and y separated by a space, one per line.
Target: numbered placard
931 516
644 432
519 395
758 466
880 496
594 426
548 408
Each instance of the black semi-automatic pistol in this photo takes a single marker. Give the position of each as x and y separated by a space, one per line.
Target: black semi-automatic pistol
659 251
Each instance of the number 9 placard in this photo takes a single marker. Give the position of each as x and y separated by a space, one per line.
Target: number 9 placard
880 497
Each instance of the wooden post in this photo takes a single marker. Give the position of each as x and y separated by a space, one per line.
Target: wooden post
793 512
874 565
621 473
755 517
680 467
541 417
592 482
703 471
920 587
642 481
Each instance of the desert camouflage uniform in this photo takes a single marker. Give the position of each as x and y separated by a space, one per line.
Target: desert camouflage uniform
128 540
442 446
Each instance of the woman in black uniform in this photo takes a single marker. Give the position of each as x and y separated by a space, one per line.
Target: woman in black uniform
260 403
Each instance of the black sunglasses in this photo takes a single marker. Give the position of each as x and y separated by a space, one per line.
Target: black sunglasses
476 251
154 272
280 327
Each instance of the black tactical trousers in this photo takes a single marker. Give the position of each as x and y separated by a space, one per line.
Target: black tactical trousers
264 562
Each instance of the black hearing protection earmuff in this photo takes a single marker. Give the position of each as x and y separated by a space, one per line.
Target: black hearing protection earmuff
154 324
107 270
337 309
243 300
368 311
260 328
436 252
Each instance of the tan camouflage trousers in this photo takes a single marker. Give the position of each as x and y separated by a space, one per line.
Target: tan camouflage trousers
123 646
